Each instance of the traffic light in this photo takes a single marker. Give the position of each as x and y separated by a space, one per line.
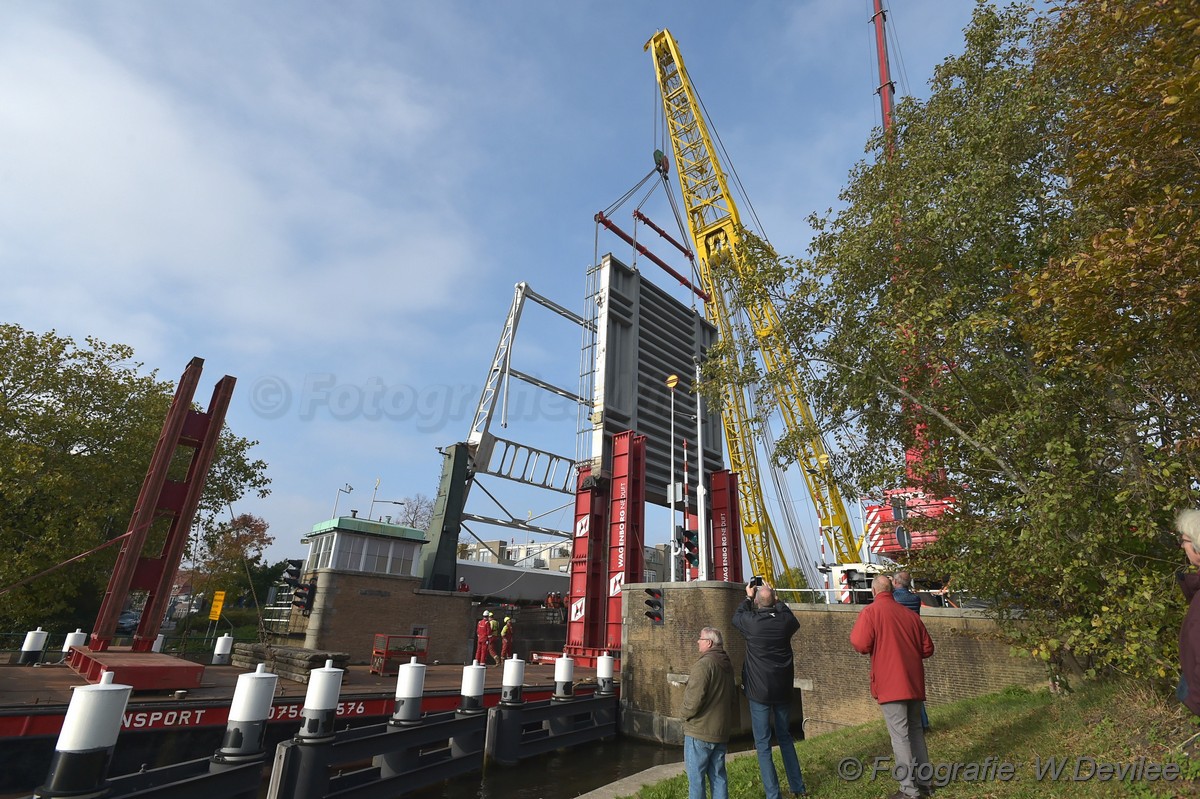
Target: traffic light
304 595
654 605
291 574
690 543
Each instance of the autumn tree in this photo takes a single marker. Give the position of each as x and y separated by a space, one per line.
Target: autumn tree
79 423
233 555
1015 275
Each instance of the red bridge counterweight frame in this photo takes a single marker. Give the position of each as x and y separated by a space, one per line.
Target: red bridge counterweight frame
163 498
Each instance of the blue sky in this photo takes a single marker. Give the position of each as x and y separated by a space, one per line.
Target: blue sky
333 201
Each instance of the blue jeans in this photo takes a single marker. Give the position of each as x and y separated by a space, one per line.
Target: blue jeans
702 759
761 718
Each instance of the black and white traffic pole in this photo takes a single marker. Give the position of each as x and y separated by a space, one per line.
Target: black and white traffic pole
703 540
85 745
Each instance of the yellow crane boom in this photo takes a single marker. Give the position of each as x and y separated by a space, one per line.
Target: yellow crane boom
715 229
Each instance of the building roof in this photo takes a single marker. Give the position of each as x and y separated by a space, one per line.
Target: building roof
353 524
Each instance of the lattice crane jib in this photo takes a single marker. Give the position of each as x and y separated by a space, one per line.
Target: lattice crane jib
714 226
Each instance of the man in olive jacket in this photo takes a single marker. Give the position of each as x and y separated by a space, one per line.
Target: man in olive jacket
709 709
768 678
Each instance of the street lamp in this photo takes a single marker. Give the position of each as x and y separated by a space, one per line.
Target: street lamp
382 502
337 497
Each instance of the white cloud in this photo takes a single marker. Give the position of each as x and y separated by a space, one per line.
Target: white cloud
144 201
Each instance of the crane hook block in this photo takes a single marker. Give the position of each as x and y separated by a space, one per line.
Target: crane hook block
661 162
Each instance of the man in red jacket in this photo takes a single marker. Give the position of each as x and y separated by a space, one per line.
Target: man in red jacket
898 643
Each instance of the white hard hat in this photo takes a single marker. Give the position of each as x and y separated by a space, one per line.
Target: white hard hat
487 613
508 618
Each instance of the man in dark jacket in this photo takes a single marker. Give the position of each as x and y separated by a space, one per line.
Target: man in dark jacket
898 643
901 592
767 678
709 708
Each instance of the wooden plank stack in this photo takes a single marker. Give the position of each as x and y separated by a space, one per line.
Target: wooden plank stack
289 662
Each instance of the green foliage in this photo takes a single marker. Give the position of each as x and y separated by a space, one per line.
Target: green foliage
792 578
79 425
1012 289
1109 722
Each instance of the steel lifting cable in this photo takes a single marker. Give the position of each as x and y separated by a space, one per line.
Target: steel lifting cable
894 47
624 198
732 169
56 567
684 235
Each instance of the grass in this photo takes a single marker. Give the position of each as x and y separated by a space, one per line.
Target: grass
1109 722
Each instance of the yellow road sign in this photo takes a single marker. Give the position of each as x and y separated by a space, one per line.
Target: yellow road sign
214 613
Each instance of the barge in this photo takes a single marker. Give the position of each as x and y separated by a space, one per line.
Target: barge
161 728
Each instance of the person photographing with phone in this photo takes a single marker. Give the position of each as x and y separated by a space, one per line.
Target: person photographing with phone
768 675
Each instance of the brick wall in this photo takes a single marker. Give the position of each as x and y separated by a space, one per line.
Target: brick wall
833 679
969 660
351 607
652 654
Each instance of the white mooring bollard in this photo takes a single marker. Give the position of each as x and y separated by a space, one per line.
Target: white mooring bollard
564 679
248 716
221 652
604 675
31 649
319 714
77 638
471 697
514 678
85 745
410 686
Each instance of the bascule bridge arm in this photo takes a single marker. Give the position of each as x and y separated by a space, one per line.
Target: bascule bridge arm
484 453
714 225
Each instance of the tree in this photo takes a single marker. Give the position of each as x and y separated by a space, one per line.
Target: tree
416 512
1007 278
234 554
794 578
78 425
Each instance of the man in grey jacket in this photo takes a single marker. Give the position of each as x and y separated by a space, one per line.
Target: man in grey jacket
709 709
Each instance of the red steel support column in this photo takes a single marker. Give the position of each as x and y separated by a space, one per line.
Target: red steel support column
585 605
627 510
726 528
